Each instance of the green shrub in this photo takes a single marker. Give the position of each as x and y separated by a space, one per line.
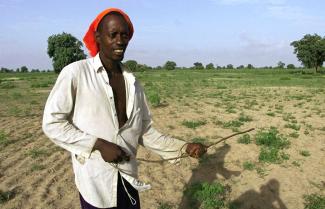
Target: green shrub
247 165
244 118
6 196
193 123
314 201
207 195
272 142
305 153
245 139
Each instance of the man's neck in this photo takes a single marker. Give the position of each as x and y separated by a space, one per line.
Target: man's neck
110 65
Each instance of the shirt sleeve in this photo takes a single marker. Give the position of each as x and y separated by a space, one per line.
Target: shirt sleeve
57 116
163 145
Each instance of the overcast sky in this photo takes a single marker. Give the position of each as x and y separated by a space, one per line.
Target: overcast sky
223 32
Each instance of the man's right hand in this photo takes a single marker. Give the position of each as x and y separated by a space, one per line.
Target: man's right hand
110 152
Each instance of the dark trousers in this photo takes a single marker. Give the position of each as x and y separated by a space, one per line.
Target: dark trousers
123 200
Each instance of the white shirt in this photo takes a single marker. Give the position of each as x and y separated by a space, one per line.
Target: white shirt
80 109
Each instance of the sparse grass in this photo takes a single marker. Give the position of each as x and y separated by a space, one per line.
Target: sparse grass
207 195
272 143
244 139
193 124
164 205
304 153
199 140
36 153
4 141
294 135
314 201
272 114
248 165
244 118
6 196
296 163
7 85
37 167
154 98
233 123
293 126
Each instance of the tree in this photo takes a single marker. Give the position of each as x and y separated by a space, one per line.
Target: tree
198 65
291 66
209 66
132 65
310 50
64 49
170 65
230 66
23 69
240 67
250 66
280 65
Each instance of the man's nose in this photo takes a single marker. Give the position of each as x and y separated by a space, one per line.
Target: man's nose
120 39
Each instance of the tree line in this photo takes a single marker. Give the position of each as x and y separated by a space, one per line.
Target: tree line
64 49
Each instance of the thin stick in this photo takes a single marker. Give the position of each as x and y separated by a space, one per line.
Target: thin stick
227 137
186 155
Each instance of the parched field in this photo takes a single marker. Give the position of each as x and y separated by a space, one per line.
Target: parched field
281 164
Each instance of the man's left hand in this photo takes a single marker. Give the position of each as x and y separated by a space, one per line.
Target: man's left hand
196 150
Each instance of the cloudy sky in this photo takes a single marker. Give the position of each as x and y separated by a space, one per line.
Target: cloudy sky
223 32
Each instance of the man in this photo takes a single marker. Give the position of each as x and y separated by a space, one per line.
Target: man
97 110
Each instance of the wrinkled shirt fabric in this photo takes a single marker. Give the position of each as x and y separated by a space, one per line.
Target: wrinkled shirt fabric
80 109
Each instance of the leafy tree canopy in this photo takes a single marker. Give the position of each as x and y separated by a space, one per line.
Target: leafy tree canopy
132 65
198 65
170 65
64 49
310 50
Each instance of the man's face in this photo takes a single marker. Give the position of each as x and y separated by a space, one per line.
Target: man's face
113 37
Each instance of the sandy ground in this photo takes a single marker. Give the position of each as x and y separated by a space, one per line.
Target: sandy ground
39 175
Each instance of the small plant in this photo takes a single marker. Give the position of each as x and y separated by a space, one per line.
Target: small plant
288 117
7 85
199 140
6 196
305 153
154 98
230 110
244 118
233 123
293 126
296 163
294 135
272 114
314 201
4 141
271 143
193 123
37 167
36 153
207 195
244 139
163 205
247 165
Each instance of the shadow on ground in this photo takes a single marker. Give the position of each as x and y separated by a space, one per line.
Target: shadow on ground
267 198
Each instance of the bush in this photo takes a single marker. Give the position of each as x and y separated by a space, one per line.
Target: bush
206 195
314 201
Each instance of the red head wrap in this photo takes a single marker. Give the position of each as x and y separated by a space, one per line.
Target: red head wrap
90 37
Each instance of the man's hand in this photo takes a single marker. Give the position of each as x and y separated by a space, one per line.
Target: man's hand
111 152
196 150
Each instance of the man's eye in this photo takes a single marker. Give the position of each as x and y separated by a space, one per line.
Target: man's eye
112 35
